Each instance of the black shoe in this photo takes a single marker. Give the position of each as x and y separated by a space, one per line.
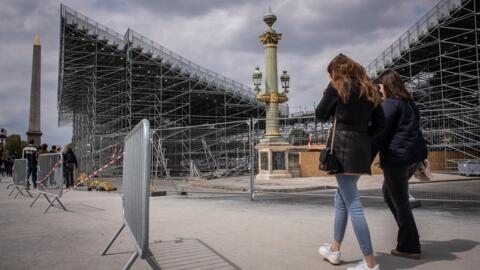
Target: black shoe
414 256
415 204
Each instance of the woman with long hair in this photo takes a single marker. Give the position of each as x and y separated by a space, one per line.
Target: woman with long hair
401 147
354 103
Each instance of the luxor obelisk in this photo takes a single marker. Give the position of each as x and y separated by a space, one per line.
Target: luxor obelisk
34 131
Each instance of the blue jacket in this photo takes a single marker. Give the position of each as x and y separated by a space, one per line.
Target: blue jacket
402 141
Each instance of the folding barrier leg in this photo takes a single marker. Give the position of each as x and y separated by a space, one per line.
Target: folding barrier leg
46 197
36 198
152 262
52 202
61 204
49 205
131 261
113 240
29 194
13 189
19 192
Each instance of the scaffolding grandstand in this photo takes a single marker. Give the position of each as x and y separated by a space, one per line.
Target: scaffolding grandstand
438 58
109 82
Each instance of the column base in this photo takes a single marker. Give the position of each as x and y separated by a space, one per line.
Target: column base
273 159
270 175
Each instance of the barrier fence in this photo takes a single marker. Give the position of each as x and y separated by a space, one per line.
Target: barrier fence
223 149
50 179
136 193
220 158
20 178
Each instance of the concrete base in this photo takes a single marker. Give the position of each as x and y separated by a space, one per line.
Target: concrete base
270 175
273 160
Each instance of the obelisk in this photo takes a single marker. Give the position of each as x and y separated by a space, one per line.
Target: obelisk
34 131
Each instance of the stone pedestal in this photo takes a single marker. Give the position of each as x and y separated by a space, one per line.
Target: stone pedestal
273 160
294 165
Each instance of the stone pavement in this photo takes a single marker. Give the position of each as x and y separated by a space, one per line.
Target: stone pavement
223 232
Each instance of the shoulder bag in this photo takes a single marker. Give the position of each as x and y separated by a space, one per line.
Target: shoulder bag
328 159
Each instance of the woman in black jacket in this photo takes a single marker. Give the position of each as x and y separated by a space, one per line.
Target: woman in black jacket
401 147
352 99
70 163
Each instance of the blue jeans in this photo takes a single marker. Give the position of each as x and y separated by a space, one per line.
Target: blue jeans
347 203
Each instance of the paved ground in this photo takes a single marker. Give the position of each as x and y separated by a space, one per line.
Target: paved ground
228 231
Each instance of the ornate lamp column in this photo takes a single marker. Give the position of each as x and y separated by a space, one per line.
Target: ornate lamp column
272 149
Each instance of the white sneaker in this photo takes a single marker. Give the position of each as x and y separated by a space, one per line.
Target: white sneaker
363 266
332 256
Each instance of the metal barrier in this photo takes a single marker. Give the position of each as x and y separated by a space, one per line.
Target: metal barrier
222 149
20 178
469 167
136 196
220 158
50 179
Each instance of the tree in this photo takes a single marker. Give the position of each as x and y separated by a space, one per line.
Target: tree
14 145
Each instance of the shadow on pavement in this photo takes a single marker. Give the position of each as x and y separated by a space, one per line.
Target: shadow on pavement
433 251
189 254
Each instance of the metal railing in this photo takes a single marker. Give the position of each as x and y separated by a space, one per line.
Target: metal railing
20 178
136 195
412 35
50 179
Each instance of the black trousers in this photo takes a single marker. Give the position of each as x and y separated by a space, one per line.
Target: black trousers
68 173
395 194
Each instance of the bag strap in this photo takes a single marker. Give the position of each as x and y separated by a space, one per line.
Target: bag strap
333 132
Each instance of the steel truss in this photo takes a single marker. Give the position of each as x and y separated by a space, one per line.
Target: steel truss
438 58
109 82
223 149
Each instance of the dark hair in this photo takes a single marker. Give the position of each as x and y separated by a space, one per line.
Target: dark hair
345 73
32 141
393 85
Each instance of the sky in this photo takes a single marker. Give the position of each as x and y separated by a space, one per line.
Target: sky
221 35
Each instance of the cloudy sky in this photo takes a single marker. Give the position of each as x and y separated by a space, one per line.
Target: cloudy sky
221 35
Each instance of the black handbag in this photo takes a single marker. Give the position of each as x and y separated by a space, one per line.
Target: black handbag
328 159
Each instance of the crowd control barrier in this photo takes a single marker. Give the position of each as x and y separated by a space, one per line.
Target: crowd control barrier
136 184
20 178
50 179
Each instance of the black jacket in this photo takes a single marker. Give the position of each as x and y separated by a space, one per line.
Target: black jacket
402 141
70 158
358 122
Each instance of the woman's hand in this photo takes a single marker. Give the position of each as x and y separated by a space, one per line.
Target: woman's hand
381 90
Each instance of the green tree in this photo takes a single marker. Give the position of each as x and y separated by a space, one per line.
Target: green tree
14 145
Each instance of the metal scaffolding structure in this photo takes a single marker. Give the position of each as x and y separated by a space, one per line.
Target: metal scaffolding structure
438 58
109 82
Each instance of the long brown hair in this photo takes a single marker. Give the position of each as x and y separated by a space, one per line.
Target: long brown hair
393 85
345 72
